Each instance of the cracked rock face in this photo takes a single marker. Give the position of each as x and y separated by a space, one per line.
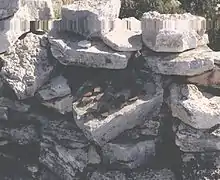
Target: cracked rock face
26 66
65 49
37 9
90 18
173 32
105 113
193 108
189 63
63 149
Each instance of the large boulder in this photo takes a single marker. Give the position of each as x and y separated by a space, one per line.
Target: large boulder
26 66
90 18
189 63
66 48
173 32
193 108
37 9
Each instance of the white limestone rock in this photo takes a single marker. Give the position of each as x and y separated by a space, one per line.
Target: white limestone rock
65 49
173 32
12 28
193 108
90 18
57 87
189 139
104 128
37 9
188 63
124 37
26 67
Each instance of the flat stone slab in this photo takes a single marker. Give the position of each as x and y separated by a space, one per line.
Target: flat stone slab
189 63
172 32
26 67
193 108
189 139
12 28
57 87
90 18
37 9
66 50
124 36
104 115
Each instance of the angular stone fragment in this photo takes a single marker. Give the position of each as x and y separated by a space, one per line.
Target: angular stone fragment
172 32
192 140
65 49
12 28
124 37
3 113
63 149
62 105
110 175
193 108
93 156
188 63
102 123
149 174
90 18
37 9
57 87
26 66
129 155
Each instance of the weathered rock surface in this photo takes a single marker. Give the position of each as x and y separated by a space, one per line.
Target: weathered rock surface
66 50
172 32
131 38
110 175
189 63
26 66
191 140
12 28
57 87
90 18
209 78
131 155
37 9
105 115
63 149
193 108
93 156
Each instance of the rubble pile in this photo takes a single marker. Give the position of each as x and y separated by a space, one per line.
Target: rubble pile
99 97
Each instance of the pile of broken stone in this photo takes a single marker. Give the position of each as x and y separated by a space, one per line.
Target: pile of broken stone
99 97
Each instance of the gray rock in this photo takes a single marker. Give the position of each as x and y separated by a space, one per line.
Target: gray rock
26 66
14 105
12 28
93 156
3 113
110 175
193 108
90 18
192 140
57 87
63 149
22 135
129 155
63 105
66 50
164 174
188 63
105 128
